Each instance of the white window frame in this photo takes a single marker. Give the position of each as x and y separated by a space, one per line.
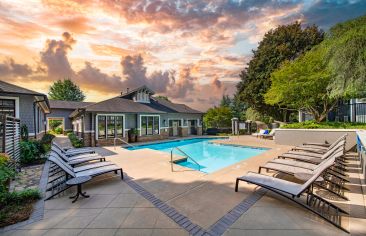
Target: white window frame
56 118
16 104
109 114
140 127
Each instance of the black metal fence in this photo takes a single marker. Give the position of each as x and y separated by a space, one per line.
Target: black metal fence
355 112
10 138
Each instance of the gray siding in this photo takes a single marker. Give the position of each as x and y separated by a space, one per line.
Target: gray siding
26 113
62 113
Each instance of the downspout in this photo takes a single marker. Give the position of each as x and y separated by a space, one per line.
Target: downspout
34 117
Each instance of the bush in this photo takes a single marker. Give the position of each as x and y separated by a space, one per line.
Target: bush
46 142
6 173
311 124
59 130
30 152
24 134
75 141
17 206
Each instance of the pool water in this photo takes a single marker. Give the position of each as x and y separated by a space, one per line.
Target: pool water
210 156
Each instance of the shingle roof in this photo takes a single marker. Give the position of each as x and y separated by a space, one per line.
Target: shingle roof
175 107
69 105
11 88
118 104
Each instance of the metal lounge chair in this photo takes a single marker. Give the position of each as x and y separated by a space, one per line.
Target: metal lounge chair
293 191
270 135
313 157
319 149
58 183
333 181
78 159
73 151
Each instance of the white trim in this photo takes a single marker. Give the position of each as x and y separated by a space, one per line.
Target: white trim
56 118
16 104
153 124
109 114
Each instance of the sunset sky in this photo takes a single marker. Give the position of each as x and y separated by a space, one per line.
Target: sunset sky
191 51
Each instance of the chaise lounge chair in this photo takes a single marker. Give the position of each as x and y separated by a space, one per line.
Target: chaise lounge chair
333 180
261 133
318 149
292 191
77 159
73 151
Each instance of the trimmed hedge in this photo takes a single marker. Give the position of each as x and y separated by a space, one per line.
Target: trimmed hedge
324 125
75 141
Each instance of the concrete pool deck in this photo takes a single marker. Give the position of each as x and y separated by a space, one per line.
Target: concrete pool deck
116 208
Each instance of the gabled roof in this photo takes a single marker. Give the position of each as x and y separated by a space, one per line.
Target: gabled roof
175 107
11 88
68 105
131 92
14 89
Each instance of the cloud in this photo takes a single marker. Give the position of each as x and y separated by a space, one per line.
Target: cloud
77 24
9 68
54 57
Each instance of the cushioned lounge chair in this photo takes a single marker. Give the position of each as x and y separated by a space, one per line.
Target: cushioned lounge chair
313 157
269 135
78 159
261 133
333 181
293 191
319 149
74 151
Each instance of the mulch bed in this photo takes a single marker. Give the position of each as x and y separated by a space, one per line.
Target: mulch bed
15 213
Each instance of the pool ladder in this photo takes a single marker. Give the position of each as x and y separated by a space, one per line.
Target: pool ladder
123 141
171 158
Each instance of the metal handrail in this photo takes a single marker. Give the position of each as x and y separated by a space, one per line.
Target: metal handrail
171 158
123 141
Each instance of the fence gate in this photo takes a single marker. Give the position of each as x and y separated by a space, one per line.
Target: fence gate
10 138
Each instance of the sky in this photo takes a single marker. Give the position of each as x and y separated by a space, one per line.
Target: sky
189 50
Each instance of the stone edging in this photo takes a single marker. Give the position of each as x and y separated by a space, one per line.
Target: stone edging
38 210
216 229
227 220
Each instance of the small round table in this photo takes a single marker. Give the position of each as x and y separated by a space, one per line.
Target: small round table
306 176
78 181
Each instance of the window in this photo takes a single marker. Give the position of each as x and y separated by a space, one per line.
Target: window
119 126
101 127
7 107
110 126
150 125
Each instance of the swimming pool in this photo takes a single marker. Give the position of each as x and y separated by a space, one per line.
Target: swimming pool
210 156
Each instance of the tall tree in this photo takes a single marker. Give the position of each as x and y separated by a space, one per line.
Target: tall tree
66 90
286 42
302 84
347 58
333 70
225 101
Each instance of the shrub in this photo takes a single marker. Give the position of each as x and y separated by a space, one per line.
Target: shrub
24 134
30 152
46 142
6 173
59 130
311 124
18 197
75 141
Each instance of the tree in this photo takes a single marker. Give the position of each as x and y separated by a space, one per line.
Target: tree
347 58
218 117
225 101
163 98
66 90
286 42
333 70
303 84
238 108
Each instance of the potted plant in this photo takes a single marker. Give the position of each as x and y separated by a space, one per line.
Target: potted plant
132 135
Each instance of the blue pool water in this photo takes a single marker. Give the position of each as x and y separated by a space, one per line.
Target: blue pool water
211 157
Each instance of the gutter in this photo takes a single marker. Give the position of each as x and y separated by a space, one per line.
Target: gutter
34 117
